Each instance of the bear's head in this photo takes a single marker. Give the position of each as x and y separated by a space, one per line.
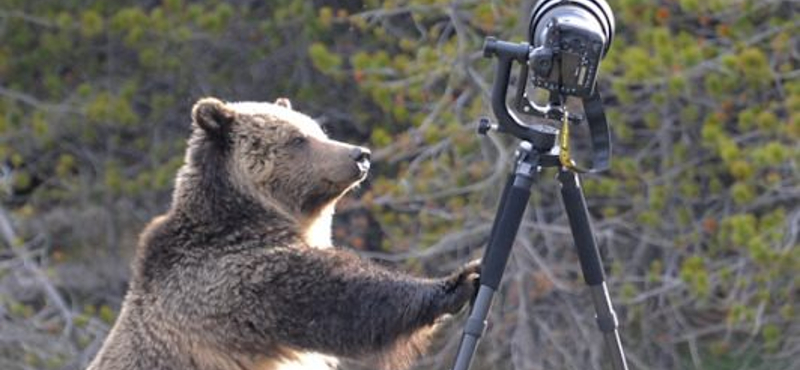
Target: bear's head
272 155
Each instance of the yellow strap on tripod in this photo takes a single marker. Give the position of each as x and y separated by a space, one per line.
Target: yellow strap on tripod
563 152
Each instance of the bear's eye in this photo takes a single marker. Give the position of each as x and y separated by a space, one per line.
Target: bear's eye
298 141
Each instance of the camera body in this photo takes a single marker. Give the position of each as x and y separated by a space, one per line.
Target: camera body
567 61
569 38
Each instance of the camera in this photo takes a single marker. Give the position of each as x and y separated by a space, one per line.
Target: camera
568 40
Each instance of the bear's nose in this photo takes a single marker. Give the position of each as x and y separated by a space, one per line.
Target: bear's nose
360 154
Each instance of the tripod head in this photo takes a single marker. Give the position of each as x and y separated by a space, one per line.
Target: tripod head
567 40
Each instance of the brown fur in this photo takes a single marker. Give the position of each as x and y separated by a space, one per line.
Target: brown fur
237 274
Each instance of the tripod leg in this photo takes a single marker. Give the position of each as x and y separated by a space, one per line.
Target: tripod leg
504 230
476 323
591 265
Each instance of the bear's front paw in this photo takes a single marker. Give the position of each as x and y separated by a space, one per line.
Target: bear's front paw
460 286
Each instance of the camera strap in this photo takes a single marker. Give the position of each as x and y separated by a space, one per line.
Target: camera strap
599 131
600 136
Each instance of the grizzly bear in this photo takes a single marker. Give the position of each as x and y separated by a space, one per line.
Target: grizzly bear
240 273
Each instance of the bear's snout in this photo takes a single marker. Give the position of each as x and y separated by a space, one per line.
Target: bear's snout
360 154
342 164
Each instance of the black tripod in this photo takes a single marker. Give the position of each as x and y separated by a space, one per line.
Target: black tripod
533 154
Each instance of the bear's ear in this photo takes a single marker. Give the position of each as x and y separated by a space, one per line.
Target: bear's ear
212 115
284 102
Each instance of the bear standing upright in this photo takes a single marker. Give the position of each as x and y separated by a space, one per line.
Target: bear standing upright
238 273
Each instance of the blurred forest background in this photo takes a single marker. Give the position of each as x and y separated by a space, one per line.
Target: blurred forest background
698 218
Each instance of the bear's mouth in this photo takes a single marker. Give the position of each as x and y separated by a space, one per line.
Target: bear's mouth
363 169
358 172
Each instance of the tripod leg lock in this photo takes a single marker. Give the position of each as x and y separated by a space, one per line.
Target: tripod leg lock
607 323
606 317
475 327
476 322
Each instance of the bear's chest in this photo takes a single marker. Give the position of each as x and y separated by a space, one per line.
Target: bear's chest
307 361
